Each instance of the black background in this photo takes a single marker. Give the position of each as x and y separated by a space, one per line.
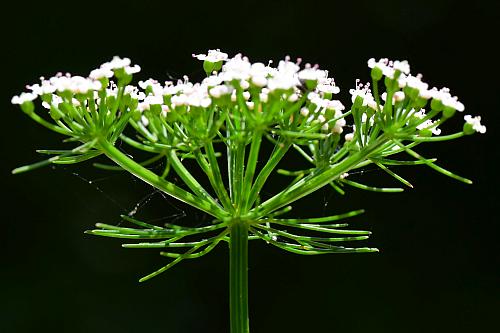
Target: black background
438 269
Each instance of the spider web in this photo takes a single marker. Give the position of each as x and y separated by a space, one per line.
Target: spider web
97 185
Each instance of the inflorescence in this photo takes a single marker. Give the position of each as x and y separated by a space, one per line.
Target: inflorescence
235 106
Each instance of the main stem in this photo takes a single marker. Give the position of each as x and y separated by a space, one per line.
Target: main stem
238 277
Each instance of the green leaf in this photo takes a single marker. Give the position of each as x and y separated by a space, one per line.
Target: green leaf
324 219
371 188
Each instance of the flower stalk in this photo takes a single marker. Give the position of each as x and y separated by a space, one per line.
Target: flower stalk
238 277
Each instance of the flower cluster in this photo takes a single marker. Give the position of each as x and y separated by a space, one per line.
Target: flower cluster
287 99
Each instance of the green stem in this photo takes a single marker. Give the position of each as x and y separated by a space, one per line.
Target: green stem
215 176
238 277
253 157
238 151
153 179
190 181
280 150
315 181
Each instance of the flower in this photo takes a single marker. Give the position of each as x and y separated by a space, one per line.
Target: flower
397 97
132 69
446 99
429 125
74 84
55 101
282 81
475 123
42 89
23 98
327 85
349 137
259 73
212 56
116 63
365 93
221 90
402 66
236 68
312 74
101 73
388 67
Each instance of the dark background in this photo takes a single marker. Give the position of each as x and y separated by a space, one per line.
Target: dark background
438 269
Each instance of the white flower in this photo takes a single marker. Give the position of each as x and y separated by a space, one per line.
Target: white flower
282 81
236 68
327 85
445 97
381 64
259 73
337 129
132 69
364 119
365 93
24 97
329 89
453 103
212 80
397 97
402 66
42 89
192 95
259 81
155 86
135 93
334 105
413 82
287 67
116 63
312 74
475 122
171 89
101 73
388 67
147 83
143 106
154 100
75 84
264 96
244 84
221 90
349 136
429 124
55 101
212 56
293 98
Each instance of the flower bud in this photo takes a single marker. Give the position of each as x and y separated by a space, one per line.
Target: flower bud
311 84
209 67
376 73
468 129
28 106
448 112
425 132
327 95
436 104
